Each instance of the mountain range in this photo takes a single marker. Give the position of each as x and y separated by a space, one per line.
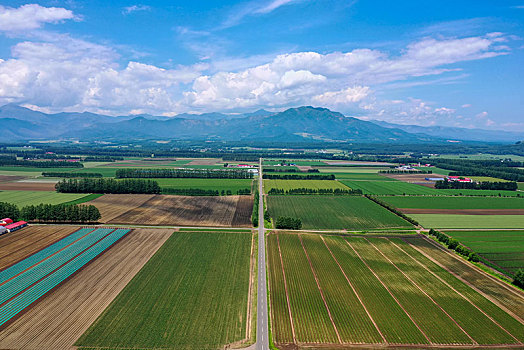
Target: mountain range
295 124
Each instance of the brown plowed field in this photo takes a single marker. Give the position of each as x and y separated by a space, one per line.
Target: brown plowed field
61 317
20 244
27 186
113 205
223 211
463 211
6 178
205 161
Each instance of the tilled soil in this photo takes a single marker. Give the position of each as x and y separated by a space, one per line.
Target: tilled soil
62 316
20 244
223 211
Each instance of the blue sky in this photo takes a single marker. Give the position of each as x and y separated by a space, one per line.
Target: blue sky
455 63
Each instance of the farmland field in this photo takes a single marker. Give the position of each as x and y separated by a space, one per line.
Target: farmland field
504 250
20 244
312 184
63 315
334 290
23 283
361 176
232 185
23 198
351 170
449 221
224 211
427 202
334 212
389 187
193 293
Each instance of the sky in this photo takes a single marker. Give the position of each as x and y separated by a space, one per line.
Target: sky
423 62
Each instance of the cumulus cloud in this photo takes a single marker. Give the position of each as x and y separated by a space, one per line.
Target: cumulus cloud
64 73
31 16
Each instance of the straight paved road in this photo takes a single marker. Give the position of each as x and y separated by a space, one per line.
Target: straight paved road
262 317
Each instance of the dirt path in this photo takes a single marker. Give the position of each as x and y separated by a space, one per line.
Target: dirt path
61 317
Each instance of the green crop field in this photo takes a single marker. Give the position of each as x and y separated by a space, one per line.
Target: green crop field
347 290
389 187
193 293
427 202
206 184
312 184
504 250
334 212
23 198
449 221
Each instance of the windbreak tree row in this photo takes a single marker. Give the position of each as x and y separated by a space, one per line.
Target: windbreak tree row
51 213
485 185
299 177
87 185
184 173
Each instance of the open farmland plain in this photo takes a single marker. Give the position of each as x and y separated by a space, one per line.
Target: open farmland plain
340 292
192 294
334 212
63 315
503 250
23 198
458 221
166 210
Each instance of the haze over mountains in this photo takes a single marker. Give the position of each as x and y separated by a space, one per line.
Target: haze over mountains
295 124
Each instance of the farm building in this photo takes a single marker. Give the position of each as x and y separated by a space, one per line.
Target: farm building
2 230
459 179
16 226
5 221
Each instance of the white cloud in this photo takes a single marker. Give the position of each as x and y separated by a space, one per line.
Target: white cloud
63 73
135 8
343 97
467 105
254 8
482 115
31 16
273 5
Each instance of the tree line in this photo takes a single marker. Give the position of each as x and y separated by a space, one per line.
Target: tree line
484 185
70 175
392 209
203 192
184 173
39 164
88 185
288 223
254 213
507 170
299 177
51 213
320 191
455 245
406 171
